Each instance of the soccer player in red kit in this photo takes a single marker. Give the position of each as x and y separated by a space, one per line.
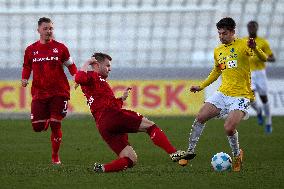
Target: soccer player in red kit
50 90
112 121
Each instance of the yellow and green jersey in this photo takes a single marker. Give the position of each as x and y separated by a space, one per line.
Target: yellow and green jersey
232 62
255 62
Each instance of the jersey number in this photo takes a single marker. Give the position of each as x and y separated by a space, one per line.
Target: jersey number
243 103
64 111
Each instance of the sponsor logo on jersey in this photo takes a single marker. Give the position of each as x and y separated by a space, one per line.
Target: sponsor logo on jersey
233 56
35 52
55 50
101 79
232 64
45 59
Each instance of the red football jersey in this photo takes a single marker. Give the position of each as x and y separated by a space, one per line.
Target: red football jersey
99 95
46 61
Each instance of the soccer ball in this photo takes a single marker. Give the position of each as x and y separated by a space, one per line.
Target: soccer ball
221 162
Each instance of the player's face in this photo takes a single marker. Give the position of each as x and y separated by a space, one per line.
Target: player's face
45 31
252 29
226 36
105 68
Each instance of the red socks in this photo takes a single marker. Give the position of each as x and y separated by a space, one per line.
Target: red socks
118 165
160 139
56 136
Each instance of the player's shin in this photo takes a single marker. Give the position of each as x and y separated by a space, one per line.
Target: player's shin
234 143
56 136
268 118
266 108
160 139
194 135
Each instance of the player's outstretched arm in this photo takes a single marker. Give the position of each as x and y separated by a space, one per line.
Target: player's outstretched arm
213 76
71 66
72 69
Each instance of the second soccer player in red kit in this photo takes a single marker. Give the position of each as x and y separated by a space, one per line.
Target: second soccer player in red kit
112 121
50 89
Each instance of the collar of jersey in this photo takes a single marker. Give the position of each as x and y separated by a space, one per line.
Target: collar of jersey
45 43
227 45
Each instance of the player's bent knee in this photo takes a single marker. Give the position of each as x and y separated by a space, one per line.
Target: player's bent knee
38 126
264 99
55 125
200 119
56 119
129 152
134 159
229 129
145 124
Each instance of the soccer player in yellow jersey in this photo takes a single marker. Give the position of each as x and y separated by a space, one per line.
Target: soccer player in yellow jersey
233 96
258 76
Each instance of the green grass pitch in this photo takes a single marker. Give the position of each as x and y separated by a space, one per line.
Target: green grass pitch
25 157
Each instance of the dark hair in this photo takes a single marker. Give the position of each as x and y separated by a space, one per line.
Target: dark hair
100 57
43 19
253 22
226 23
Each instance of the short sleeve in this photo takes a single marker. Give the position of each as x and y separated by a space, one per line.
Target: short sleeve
65 54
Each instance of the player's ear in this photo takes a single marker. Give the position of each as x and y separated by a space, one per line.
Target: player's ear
96 65
231 33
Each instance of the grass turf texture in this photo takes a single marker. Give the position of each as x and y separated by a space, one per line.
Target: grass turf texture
25 157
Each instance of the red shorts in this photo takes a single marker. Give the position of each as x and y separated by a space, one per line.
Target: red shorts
53 107
114 126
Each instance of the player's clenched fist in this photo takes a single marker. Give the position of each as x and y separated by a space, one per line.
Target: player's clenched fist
251 43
